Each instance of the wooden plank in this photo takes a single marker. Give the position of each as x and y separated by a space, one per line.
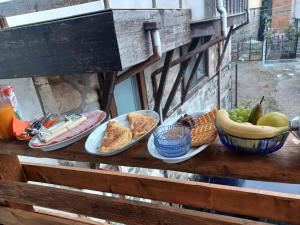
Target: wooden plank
110 208
213 26
80 44
62 214
215 160
18 7
194 194
20 217
11 169
135 44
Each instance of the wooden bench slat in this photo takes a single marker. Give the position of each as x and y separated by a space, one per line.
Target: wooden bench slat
110 208
242 201
11 169
20 217
281 166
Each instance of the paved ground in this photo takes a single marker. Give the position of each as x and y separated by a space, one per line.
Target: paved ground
279 82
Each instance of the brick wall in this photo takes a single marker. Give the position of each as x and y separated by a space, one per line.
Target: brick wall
281 14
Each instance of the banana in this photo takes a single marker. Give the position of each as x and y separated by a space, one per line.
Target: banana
246 130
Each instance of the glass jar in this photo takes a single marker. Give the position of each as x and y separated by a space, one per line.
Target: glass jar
6 117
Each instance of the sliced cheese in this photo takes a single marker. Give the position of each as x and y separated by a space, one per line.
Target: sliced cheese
63 128
76 122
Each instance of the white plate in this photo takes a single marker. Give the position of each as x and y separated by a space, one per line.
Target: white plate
94 141
71 140
192 151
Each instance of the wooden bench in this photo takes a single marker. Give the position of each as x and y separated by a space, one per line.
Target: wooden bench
281 166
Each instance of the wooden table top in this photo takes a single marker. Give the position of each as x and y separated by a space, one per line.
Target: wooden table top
281 166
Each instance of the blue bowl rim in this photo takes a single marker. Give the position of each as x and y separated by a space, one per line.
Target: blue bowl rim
186 130
254 139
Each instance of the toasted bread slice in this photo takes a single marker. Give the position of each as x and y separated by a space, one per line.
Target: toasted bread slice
140 124
116 136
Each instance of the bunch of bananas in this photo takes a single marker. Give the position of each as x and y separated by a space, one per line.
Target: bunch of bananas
247 130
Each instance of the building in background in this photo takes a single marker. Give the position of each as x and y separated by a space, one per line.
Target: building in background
210 87
248 33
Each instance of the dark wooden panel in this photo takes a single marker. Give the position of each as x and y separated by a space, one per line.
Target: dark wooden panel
196 194
215 160
10 216
74 45
115 209
18 7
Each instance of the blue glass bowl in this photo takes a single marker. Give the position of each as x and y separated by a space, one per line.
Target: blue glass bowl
253 146
172 141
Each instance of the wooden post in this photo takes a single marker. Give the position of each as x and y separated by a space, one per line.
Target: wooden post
11 169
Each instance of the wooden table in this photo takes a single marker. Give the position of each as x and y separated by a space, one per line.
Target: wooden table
281 166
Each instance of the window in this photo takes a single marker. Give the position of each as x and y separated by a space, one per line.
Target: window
130 95
200 71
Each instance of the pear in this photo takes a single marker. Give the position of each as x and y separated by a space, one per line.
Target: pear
256 112
274 119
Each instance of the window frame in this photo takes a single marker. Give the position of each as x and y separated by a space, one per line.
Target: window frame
200 82
142 94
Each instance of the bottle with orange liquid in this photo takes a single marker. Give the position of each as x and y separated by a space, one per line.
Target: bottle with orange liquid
7 114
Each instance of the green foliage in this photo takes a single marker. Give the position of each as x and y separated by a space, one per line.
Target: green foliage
291 32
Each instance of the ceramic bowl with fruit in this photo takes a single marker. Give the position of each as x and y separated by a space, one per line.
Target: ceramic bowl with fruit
251 131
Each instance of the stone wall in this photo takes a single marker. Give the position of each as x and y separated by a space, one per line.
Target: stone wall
75 93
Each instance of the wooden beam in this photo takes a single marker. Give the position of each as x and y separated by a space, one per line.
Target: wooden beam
21 217
108 91
181 73
3 23
192 75
142 89
19 7
187 56
215 160
163 79
110 208
195 194
11 169
224 48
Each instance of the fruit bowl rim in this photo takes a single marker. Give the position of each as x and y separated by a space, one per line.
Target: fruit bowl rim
254 139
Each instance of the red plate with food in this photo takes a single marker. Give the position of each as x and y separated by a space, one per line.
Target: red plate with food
74 128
